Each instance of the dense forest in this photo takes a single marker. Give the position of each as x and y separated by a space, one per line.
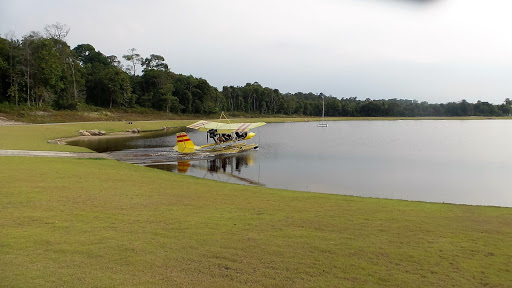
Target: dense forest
41 70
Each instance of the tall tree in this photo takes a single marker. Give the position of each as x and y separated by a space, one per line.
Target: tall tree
112 59
73 65
87 55
57 31
117 87
27 61
48 72
13 72
155 62
71 76
133 58
170 102
4 68
107 85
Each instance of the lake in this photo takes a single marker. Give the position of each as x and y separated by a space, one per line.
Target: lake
463 162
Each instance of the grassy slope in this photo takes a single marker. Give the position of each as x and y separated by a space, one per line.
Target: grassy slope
105 223
75 222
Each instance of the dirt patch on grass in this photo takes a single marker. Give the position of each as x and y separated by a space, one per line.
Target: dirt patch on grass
6 122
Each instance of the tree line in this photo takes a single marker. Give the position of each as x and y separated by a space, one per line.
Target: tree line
42 70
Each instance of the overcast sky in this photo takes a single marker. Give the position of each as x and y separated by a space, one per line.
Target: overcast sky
435 51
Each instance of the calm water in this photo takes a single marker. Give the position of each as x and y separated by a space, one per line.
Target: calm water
466 162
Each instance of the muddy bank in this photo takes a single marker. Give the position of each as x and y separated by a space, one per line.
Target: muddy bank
65 141
122 140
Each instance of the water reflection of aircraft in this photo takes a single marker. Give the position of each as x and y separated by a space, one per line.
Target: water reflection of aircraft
183 166
215 165
227 137
227 166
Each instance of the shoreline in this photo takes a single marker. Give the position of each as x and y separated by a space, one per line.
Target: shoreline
64 141
51 120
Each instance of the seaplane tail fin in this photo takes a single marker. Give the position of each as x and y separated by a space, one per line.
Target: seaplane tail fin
184 144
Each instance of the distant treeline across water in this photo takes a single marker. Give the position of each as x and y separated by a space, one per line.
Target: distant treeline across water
41 70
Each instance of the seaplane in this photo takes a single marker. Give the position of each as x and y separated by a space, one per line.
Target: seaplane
227 137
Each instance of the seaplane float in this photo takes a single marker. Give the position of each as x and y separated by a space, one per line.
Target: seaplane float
227 137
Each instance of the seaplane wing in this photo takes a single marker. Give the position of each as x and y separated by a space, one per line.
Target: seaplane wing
204 126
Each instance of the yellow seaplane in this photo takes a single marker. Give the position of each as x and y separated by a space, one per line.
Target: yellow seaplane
227 137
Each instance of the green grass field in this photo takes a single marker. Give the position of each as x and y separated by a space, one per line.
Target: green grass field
86 222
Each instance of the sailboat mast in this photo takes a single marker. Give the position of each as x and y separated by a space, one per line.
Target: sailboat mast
323 124
323 108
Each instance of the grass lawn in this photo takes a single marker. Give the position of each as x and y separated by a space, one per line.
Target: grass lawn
86 222
78 222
